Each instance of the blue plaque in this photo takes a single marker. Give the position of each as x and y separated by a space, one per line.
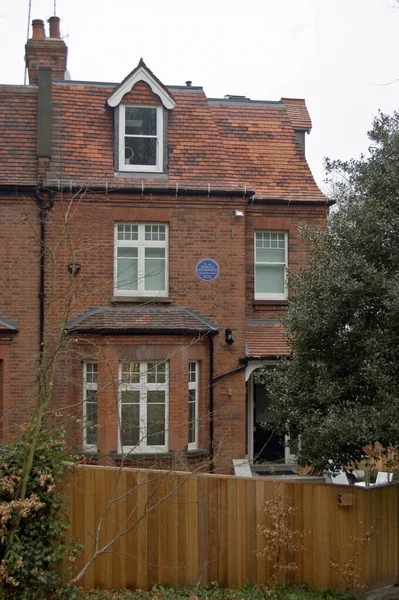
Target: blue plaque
207 269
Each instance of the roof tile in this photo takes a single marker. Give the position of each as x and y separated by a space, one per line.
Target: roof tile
226 144
265 339
141 319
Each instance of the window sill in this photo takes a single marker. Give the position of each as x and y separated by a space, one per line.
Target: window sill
141 174
153 455
197 452
129 456
270 303
141 299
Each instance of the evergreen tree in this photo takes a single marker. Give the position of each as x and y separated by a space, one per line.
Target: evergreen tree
340 391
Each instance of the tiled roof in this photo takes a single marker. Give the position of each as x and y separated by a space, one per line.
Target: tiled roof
227 144
265 338
18 125
298 113
8 325
141 319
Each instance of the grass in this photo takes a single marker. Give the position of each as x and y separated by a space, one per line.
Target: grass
214 592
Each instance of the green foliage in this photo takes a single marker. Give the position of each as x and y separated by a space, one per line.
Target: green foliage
214 592
32 549
340 391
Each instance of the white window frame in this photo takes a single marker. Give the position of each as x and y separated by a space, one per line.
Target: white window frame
193 385
88 386
143 387
272 296
158 167
141 244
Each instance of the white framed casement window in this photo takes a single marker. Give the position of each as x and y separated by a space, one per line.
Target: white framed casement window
141 259
193 405
140 138
271 262
90 407
143 406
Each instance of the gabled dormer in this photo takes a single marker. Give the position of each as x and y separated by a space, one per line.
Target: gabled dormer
141 103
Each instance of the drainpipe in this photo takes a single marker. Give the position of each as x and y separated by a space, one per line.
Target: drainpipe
211 405
44 207
44 139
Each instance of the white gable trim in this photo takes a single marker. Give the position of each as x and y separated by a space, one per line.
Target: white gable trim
141 75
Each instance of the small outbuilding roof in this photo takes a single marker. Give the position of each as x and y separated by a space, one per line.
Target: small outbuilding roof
141 320
265 339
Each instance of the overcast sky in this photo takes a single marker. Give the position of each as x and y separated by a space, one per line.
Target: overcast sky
340 55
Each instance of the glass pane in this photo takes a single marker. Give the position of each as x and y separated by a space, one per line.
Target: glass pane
127 272
91 372
191 372
127 231
140 151
267 239
191 423
270 255
269 279
156 424
131 372
154 279
127 252
130 424
161 372
154 253
140 121
156 372
158 396
130 397
155 233
191 395
91 418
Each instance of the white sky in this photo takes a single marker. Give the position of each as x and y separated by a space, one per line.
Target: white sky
337 54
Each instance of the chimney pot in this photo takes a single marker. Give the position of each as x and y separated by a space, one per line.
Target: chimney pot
38 29
189 83
55 27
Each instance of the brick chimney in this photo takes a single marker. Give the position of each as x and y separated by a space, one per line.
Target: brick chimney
42 51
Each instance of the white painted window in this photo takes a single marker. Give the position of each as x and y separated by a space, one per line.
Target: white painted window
140 138
271 261
143 406
193 405
90 408
141 259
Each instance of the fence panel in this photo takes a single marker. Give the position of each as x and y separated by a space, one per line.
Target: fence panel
181 528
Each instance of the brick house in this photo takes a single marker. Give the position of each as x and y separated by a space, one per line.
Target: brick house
169 220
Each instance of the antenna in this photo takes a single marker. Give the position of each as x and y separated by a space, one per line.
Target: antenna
55 7
27 34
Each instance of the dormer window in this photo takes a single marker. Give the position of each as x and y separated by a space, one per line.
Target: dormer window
140 138
142 129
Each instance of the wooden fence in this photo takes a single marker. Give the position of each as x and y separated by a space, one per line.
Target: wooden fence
188 529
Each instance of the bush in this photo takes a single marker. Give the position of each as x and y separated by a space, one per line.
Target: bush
32 546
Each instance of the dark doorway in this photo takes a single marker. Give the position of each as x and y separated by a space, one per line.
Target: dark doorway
268 445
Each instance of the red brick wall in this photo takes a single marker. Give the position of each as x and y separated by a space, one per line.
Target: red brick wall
19 289
198 228
278 218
